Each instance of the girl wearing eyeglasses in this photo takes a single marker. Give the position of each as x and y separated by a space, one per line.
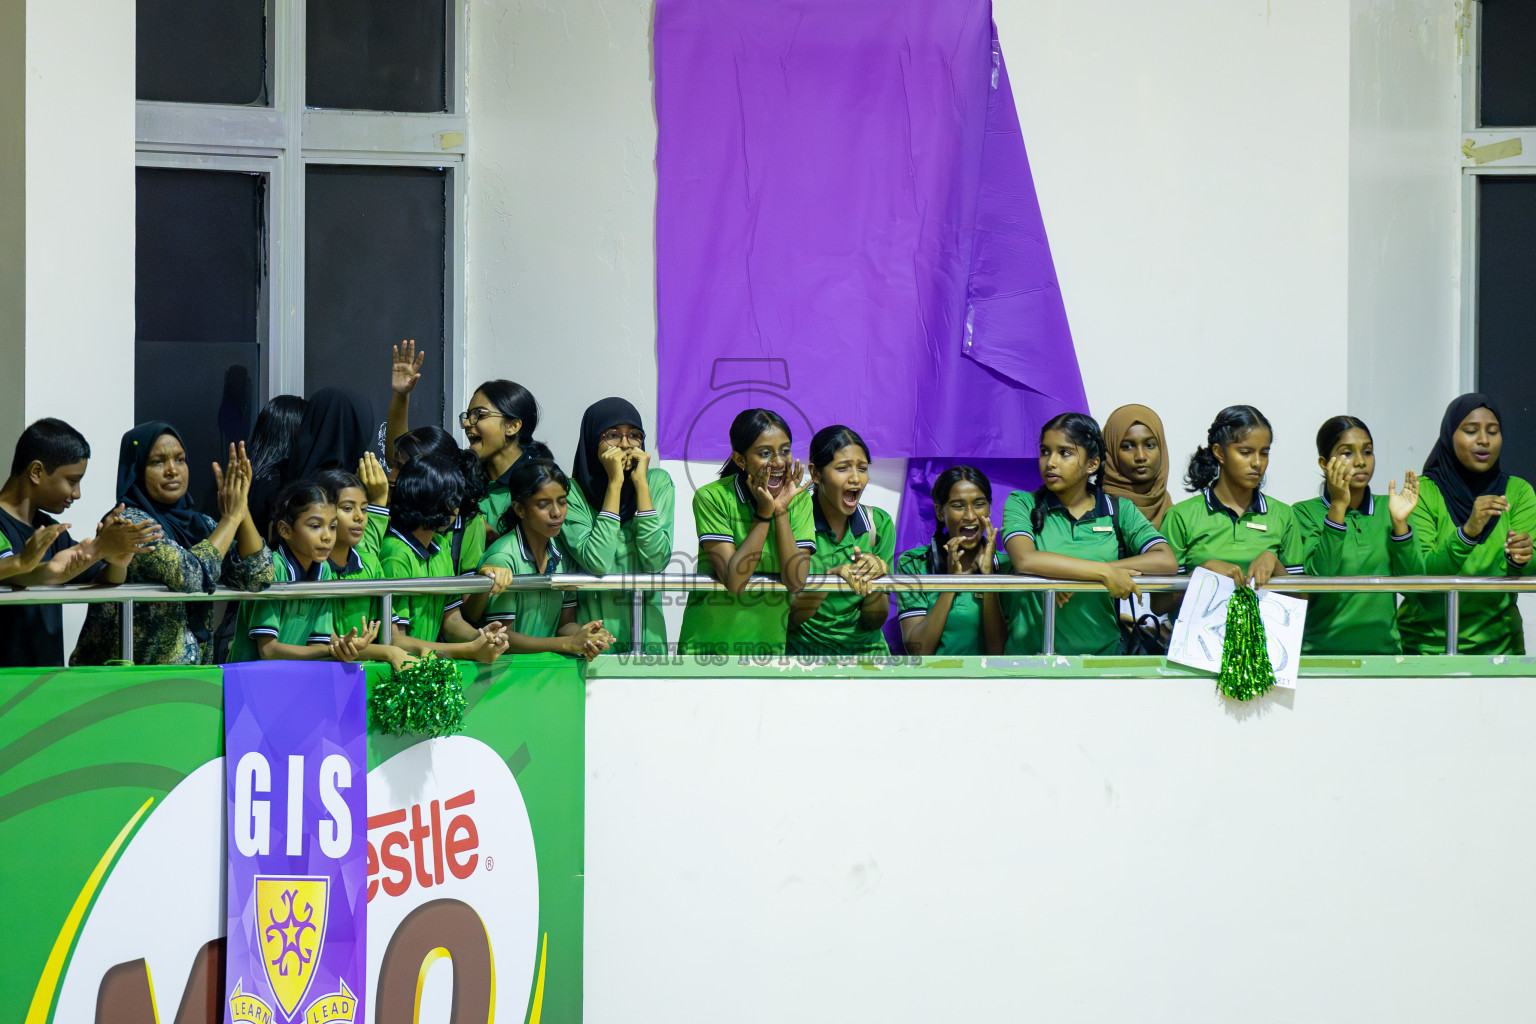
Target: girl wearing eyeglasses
619 521
498 427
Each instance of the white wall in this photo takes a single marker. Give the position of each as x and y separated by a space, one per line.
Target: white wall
13 212
79 240
1404 224
561 189
1057 850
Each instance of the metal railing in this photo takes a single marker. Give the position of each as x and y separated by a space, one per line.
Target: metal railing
128 594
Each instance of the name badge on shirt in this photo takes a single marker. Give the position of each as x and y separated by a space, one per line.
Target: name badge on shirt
1103 529
1258 526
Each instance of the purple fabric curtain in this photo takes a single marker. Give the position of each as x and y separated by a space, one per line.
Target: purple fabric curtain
847 231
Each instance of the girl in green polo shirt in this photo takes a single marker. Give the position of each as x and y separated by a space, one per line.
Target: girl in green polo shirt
303 531
424 506
619 521
964 543
1348 531
1070 529
854 541
499 426
755 518
1473 519
537 621
1231 526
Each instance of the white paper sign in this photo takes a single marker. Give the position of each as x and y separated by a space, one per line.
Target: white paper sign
1202 624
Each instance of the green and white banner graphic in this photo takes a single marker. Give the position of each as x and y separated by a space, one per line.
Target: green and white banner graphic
112 805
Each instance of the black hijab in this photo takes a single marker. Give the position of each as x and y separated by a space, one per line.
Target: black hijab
181 521
1458 484
587 469
336 429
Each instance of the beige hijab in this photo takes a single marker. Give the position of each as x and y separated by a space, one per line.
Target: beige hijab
1151 498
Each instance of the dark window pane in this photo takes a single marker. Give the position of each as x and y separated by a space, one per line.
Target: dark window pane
373 274
367 55
1506 311
1508 67
198 51
199 326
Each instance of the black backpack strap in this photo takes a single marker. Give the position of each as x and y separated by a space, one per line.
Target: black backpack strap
458 544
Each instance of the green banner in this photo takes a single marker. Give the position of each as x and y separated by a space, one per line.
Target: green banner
111 823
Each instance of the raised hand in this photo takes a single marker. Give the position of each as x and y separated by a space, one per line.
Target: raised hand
1401 504
794 483
1338 472
36 548
375 481
988 553
234 484
406 370
757 486
1486 507
952 557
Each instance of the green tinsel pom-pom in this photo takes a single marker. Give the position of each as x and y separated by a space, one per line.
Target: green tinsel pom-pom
425 698
1245 669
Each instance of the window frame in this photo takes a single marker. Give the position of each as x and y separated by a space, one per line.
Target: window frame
280 141
1474 135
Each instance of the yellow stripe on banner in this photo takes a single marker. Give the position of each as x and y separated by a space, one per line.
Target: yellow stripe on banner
538 988
427 961
42 999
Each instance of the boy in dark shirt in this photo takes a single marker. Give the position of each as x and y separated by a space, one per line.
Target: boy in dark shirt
50 460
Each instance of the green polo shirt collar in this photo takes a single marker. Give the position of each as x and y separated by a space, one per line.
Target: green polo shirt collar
420 552
859 523
1101 507
353 567
551 553
1257 505
316 571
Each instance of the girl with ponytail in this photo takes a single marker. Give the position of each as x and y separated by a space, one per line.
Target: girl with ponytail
854 541
1231 526
964 543
756 518
1070 529
499 426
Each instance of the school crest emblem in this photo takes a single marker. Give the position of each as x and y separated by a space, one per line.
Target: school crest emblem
290 912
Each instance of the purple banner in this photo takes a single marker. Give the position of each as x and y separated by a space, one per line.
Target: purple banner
847 230
296 769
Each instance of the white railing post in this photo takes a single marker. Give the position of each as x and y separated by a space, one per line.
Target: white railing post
1048 622
1452 621
126 615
